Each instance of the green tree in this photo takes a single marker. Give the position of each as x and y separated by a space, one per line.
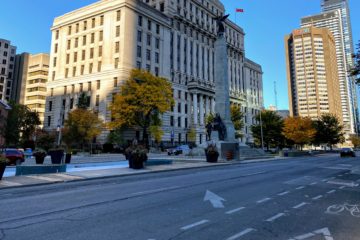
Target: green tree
142 100
300 130
328 130
272 125
44 139
192 135
82 126
237 117
116 136
355 71
20 125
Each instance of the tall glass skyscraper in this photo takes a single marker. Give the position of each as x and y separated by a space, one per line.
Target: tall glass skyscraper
336 17
344 10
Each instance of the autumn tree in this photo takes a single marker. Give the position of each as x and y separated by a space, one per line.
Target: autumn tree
355 140
300 130
328 130
272 125
143 98
20 125
355 71
237 117
82 125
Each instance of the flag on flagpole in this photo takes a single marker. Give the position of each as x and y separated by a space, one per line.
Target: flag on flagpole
239 10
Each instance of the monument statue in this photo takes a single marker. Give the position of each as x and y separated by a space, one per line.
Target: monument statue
220 22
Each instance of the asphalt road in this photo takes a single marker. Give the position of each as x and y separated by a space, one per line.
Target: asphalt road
307 198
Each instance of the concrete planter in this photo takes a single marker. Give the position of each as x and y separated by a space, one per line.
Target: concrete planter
2 169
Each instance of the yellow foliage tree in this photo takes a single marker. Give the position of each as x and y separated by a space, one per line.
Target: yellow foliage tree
142 99
81 126
299 129
355 140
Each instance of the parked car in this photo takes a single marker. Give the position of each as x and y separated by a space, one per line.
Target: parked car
347 152
183 149
15 157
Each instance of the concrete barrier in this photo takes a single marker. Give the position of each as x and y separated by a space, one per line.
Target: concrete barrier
39 169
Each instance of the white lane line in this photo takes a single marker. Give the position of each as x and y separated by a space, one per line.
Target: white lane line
240 234
235 210
332 191
283 193
187 227
314 183
317 197
300 205
301 187
263 200
325 179
340 175
344 183
275 217
305 236
342 187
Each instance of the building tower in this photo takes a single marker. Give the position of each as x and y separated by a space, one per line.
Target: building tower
312 73
336 18
7 66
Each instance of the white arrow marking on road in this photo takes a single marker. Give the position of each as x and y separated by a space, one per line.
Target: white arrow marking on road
215 200
324 231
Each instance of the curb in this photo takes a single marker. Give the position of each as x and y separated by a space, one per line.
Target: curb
147 172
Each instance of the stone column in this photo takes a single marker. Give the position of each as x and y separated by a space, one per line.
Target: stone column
212 100
195 105
207 107
201 109
222 96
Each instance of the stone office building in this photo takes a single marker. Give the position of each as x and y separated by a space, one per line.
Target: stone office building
95 47
7 66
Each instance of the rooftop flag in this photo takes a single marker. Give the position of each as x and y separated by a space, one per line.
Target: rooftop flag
239 10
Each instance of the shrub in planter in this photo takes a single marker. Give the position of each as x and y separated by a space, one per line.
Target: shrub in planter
68 157
39 155
56 155
212 154
3 162
137 155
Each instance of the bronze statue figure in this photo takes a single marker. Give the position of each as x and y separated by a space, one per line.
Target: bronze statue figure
219 126
220 22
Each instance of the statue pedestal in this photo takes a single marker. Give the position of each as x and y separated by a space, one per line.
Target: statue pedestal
228 150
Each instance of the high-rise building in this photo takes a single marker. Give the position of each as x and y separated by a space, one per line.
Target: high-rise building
312 73
336 18
31 75
94 49
7 66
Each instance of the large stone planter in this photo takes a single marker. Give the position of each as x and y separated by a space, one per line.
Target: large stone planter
212 158
39 159
2 169
68 158
56 156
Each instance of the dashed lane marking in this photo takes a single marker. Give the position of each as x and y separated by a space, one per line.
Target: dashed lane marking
301 187
342 187
273 218
235 210
187 227
240 234
317 197
314 183
331 191
300 205
283 193
264 200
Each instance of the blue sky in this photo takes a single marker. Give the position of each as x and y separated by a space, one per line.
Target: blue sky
265 22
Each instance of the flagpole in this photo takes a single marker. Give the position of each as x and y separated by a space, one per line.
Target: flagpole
235 17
